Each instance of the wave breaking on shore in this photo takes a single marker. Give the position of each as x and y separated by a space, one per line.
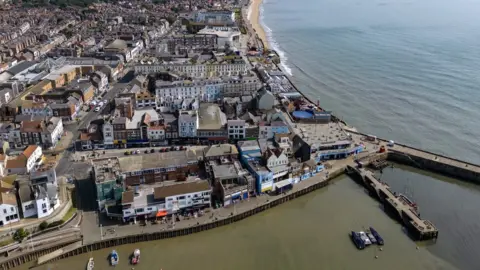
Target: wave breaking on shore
270 39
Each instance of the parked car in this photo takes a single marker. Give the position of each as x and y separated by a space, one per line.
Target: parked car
146 151
127 153
152 150
97 109
172 148
137 151
101 104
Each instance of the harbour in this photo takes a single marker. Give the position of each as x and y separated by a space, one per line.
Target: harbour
308 232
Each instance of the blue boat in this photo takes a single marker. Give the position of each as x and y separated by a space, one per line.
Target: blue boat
114 258
377 236
359 243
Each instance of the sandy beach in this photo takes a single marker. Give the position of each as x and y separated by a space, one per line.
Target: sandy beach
255 21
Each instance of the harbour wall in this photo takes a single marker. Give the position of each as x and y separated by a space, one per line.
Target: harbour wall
14 262
440 165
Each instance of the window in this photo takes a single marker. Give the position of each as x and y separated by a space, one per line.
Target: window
181 198
44 211
4 211
11 209
44 205
30 206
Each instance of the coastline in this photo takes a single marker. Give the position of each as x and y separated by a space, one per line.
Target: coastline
254 20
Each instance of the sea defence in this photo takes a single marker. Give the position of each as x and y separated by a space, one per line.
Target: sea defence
420 229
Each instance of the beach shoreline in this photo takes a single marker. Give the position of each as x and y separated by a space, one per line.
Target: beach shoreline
254 19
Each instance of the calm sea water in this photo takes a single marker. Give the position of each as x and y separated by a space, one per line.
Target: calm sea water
406 70
310 232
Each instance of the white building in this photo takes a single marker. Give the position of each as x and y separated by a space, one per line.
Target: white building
107 130
54 131
156 133
8 204
277 162
236 129
166 200
225 35
231 68
26 161
36 109
187 124
215 16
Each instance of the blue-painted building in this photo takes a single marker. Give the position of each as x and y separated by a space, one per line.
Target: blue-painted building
213 92
251 159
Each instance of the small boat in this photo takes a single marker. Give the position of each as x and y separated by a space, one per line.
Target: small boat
377 236
114 258
357 240
90 264
364 237
136 256
371 237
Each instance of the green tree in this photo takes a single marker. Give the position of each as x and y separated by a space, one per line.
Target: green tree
43 225
20 234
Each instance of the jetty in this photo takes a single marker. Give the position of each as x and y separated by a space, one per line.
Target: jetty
419 228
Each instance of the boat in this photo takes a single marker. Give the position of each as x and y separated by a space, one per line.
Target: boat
364 238
114 258
136 256
90 264
357 240
377 236
371 237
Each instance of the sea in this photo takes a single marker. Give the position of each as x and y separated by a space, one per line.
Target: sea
404 70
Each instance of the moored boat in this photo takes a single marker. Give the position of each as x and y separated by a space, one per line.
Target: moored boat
114 258
136 256
371 237
364 238
90 264
377 236
357 240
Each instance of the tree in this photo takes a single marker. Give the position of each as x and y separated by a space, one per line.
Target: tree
43 225
20 234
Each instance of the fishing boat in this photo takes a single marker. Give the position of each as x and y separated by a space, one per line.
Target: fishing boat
114 258
371 237
377 236
90 264
136 256
364 238
357 240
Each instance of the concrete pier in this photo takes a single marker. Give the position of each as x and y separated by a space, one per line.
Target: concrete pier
419 228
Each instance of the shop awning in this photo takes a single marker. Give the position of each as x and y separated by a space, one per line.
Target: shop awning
161 213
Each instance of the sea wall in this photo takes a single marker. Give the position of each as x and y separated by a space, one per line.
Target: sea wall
437 166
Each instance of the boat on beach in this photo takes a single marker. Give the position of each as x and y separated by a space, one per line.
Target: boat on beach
90 264
357 240
114 258
135 256
377 236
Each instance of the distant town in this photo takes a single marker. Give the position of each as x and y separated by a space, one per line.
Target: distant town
122 113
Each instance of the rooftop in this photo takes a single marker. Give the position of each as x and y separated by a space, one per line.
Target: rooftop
157 160
106 169
166 191
210 117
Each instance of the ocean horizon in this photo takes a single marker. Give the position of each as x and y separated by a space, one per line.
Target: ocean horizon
401 70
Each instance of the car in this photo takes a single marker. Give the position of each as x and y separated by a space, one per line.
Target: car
127 153
101 104
172 148
137 151
146 151
94 103
152 150
105 101
97 109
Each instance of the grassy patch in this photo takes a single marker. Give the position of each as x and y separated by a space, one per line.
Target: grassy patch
6 242
69 214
